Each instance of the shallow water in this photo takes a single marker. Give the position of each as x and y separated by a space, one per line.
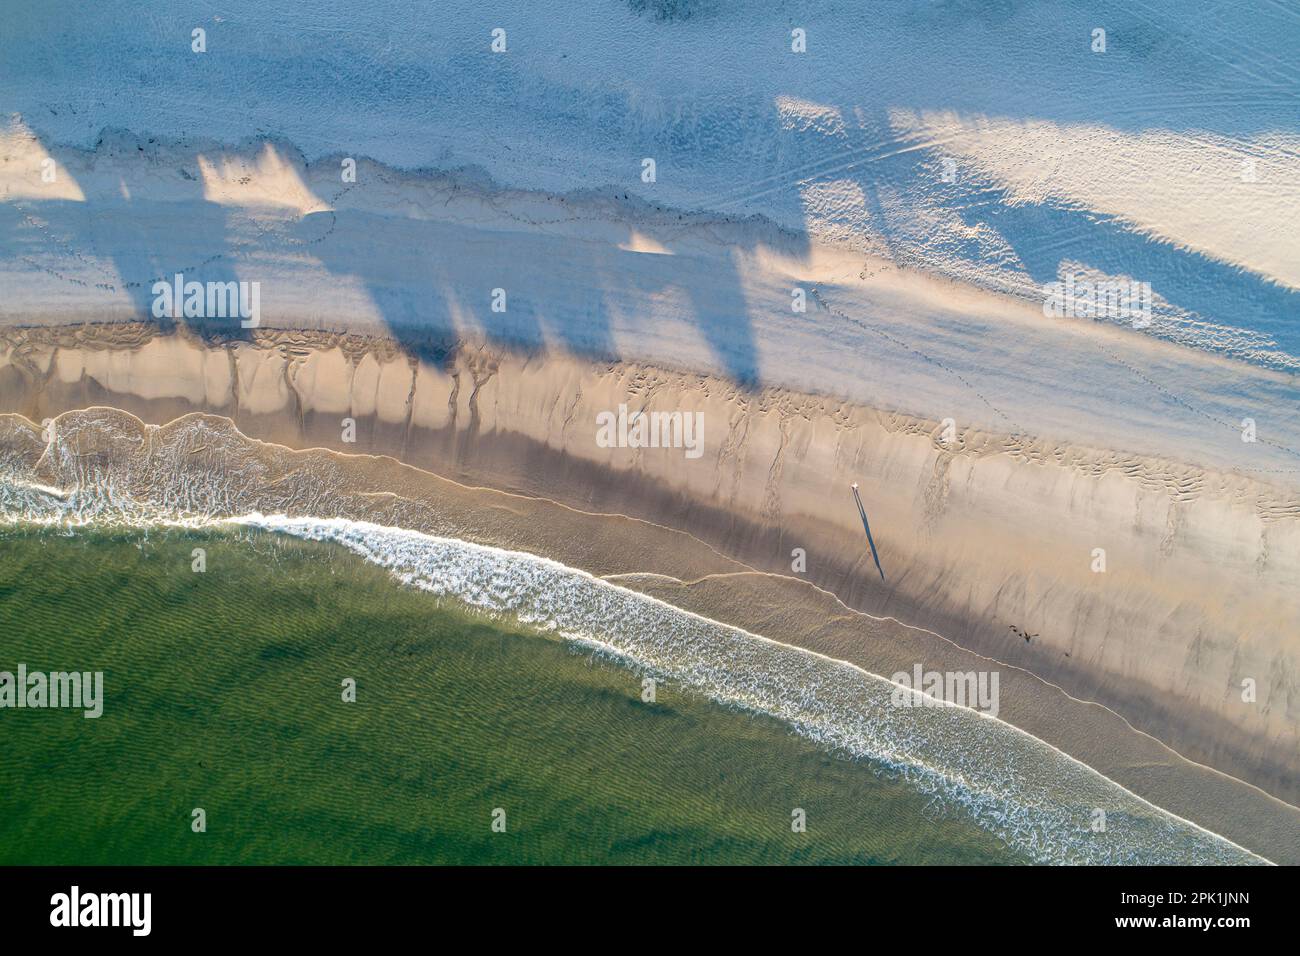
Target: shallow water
222 692
1033 797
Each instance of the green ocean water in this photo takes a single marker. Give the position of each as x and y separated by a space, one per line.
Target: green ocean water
223 691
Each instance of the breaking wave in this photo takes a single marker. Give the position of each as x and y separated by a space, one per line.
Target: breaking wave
1039 801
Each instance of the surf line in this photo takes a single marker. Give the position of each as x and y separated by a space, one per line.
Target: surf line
866 527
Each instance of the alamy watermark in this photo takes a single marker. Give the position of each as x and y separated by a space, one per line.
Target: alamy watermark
76 908
1100 299
977 690
60 689
208 300
642 429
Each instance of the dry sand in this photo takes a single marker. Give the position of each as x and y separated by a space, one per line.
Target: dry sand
604 275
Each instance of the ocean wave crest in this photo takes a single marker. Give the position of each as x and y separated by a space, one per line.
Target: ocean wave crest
1037 799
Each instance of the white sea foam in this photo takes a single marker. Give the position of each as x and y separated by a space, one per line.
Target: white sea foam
1037 799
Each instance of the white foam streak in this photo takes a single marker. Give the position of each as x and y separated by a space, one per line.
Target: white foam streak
1036 798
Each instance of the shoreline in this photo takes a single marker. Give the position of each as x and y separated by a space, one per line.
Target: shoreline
720 588
346 533
359 537
972 531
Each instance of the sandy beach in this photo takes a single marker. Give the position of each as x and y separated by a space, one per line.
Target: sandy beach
720 543
1106 512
